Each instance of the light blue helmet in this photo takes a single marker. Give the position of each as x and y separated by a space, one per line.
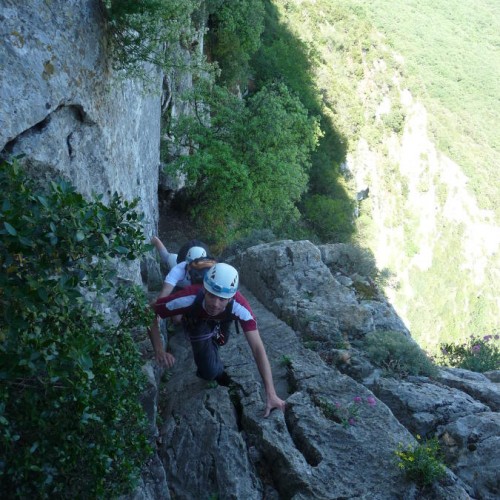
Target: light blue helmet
221 280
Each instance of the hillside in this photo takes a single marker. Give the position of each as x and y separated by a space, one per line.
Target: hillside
420 134
452 68
450 50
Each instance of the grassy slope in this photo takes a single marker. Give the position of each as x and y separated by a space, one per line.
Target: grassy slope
441 41
452 54
451 50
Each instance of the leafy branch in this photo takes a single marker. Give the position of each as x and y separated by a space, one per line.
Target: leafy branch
67 369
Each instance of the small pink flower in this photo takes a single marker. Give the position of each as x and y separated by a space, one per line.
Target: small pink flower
371 400
476 348
487 337
352 421
358 399
338 405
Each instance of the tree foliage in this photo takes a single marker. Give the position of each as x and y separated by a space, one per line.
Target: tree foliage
71 424
152 31
235 28
282 56
249 158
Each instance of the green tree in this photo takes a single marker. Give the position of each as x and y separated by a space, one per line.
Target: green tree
235 28
70 377
280 139
249 159
283 57
153 31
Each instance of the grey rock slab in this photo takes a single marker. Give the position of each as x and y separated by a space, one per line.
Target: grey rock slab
422 406
477 385
472 448
211 436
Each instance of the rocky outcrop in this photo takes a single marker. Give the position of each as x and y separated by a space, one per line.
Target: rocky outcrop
339 432
471 445
298 285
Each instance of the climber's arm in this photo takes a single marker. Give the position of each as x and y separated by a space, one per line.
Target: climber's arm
264 367
162 357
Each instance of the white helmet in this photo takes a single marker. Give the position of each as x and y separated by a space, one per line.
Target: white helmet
195 253
221 280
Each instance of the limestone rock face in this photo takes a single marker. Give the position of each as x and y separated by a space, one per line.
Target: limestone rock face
423 406
295 282
216 440
64 109
476 384
338 434
70 115
471 445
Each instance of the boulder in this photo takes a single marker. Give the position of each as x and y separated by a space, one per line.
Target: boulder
422 406
476 385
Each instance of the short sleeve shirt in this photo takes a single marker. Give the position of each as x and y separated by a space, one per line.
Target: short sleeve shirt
178 276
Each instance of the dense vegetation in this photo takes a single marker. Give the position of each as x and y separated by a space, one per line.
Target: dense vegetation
250 160
329 60
261 157
451 61
147 31
398 355
71 425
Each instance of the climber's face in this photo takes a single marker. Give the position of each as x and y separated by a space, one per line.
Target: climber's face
214 305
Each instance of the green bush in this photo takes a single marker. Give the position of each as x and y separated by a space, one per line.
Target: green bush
152 31
330 218
71 424
283 57
398 354
248 169
421 463
395 120
235 27
478 354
